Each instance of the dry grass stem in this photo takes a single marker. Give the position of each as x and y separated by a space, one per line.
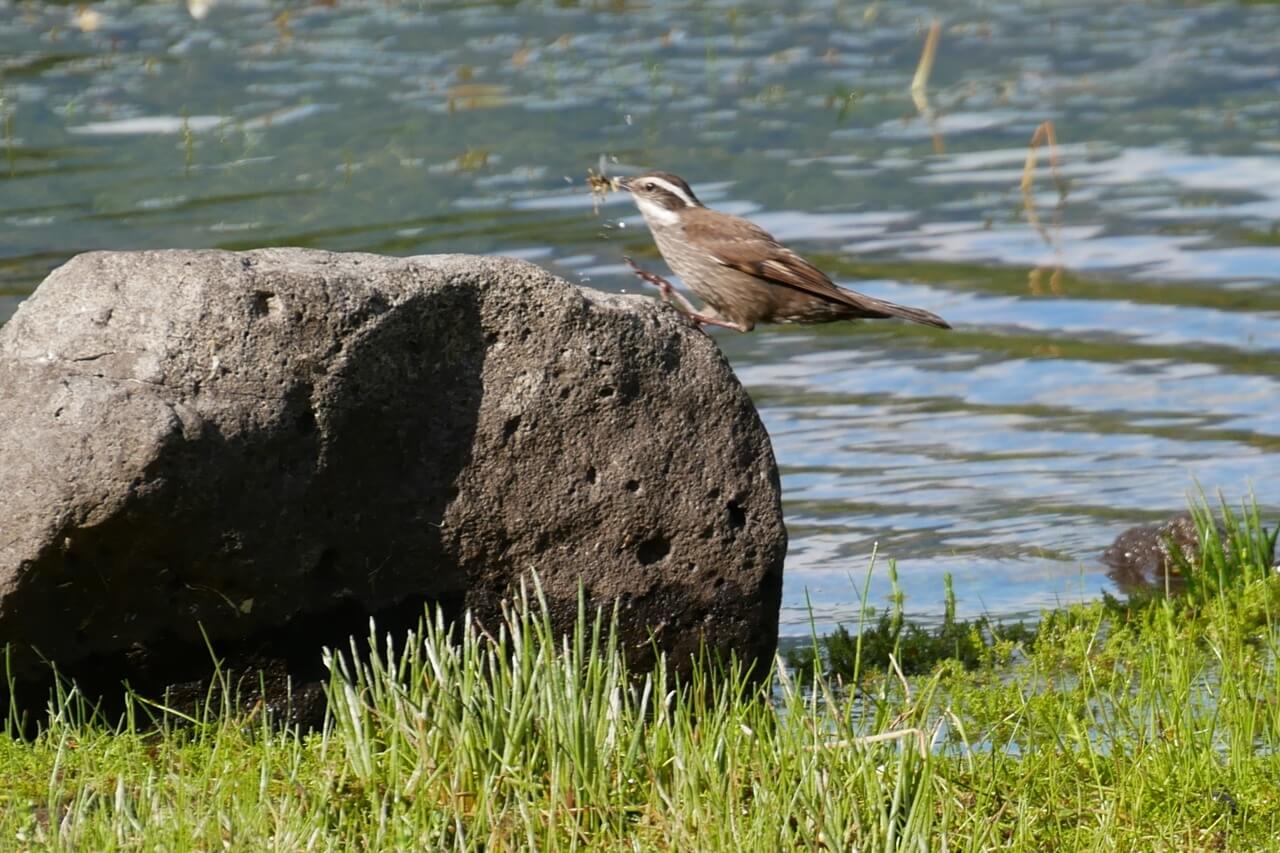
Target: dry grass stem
919 84
1044 135
922 741
925 66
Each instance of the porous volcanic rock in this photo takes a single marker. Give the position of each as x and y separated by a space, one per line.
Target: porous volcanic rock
266 447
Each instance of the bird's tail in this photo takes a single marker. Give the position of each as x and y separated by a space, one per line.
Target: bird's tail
917 315
883 308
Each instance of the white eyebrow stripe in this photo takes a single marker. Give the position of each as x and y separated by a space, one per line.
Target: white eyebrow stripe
674 190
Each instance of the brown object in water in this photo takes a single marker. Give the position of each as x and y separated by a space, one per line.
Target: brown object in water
740 271
1144 557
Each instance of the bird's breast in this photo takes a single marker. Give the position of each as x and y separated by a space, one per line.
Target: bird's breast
733 294
693 264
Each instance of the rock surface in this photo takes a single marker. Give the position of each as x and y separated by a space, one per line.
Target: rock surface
238 443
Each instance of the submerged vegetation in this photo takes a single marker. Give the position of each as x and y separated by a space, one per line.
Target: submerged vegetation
1140 725
908 647
1229 554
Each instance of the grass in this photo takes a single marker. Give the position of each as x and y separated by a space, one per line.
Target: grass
1232 553
1150 725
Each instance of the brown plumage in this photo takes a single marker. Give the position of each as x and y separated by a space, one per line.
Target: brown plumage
740 271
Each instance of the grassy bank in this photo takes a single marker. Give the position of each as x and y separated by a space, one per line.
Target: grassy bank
1146 725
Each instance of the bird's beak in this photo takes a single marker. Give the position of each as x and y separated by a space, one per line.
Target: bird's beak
622 184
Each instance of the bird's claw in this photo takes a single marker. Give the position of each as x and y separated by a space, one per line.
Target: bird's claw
700 320
664 286
665 289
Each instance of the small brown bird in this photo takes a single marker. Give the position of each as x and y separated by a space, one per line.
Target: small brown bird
739 270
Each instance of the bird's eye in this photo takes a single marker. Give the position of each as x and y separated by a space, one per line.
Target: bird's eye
648 186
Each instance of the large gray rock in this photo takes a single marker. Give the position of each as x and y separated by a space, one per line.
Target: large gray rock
235 442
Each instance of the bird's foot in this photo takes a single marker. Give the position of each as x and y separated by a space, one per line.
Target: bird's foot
669 293
701 320
665 290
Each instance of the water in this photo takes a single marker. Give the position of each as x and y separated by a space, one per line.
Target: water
1101 365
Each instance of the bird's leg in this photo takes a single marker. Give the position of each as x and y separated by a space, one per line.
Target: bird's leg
664 287
668 293
708 320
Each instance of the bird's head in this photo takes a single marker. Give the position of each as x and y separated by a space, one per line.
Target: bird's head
660 196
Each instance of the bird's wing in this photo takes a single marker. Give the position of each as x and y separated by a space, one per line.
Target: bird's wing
752 250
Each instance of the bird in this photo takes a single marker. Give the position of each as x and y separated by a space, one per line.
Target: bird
739 270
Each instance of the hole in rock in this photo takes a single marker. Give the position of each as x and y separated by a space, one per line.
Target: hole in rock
653 549
737 516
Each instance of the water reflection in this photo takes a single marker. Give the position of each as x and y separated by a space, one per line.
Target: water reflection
1091 376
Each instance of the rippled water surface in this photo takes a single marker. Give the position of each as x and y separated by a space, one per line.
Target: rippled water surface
1102 362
